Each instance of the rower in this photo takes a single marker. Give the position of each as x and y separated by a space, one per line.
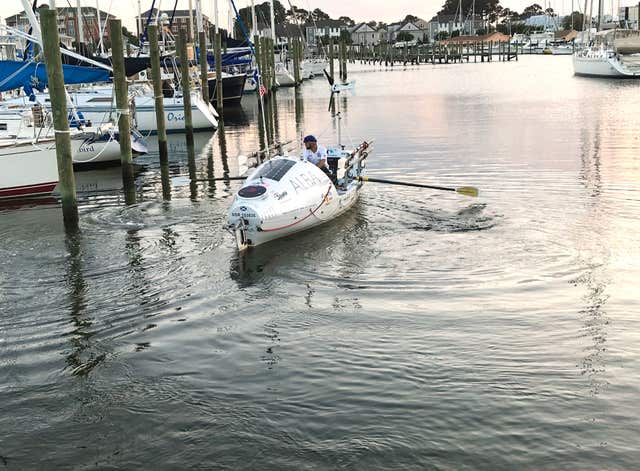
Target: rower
317 155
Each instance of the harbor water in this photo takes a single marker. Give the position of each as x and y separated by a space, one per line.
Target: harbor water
421 330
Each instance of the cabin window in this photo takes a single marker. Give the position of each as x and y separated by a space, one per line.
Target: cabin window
3 126
275 169
100 100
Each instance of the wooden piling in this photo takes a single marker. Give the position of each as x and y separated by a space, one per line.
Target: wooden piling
296 60
57 93
185 84
154 53
218 60
331 66
204 67
121 90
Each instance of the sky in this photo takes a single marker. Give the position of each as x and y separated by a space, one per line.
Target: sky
359 10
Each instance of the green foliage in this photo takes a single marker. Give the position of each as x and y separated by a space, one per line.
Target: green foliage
132 38
347 21
482 7
578 21
404 36
410 19
345 36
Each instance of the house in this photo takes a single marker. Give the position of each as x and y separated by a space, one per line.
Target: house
450 23
493 38
392 31
181 20
364 35
285 32
68 24
629 15
382 33
412 29
324 29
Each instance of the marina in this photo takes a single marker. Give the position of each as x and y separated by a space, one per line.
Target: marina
456 290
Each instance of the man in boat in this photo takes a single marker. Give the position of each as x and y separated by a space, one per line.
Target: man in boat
317 155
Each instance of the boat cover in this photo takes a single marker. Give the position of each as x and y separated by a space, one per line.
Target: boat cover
33 75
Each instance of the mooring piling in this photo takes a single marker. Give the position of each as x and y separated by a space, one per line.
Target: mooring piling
57 93
218 61
204 67
185 84
154 53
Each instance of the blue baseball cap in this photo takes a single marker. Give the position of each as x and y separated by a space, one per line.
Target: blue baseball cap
309 138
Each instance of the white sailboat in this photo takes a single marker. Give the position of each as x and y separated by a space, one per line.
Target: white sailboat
611 54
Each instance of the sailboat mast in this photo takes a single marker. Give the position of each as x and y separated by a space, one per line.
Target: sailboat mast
600 9
191 32
215 8
79 18
460 8
273 21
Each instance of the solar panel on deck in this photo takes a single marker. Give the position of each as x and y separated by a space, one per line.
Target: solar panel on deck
275 169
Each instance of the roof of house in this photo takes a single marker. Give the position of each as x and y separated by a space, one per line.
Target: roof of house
363 28
494 37
329 23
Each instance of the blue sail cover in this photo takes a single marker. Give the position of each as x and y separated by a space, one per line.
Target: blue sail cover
236 57
30 75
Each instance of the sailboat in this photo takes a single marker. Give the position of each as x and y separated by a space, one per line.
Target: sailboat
612 53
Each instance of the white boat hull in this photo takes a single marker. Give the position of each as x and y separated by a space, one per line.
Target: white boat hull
600 65
28 169
284 196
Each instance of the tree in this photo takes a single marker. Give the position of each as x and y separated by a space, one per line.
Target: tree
347 21
577 23
410 19
297 15
549 11
532 10
132 38
404 36
320 15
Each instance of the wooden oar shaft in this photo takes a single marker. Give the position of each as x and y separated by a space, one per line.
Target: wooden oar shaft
393 182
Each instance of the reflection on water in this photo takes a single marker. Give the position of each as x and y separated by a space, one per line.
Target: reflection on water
420 330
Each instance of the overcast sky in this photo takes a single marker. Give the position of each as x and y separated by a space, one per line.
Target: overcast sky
359 10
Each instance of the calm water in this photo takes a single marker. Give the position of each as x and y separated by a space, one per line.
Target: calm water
422 330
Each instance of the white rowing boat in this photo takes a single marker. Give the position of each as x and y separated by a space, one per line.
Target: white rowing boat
285 195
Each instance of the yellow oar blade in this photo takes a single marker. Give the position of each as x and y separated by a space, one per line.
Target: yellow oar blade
467 191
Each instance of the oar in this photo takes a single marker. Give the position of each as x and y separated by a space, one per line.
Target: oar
463 190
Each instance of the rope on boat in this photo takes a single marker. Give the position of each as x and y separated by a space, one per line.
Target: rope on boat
311 213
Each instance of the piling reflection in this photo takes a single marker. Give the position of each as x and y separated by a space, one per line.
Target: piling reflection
594 243
82 358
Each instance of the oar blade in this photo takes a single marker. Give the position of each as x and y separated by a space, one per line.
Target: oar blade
467 191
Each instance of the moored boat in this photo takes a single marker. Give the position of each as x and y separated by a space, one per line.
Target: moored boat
28 167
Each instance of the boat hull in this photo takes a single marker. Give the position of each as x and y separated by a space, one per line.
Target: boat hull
232 89
29 169
284 196
601 66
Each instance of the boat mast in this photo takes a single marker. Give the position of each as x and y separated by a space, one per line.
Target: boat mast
80 31
460 8
191 33
600 14
215 8
273 22
35 24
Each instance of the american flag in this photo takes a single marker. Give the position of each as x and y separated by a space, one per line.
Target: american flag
263 91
